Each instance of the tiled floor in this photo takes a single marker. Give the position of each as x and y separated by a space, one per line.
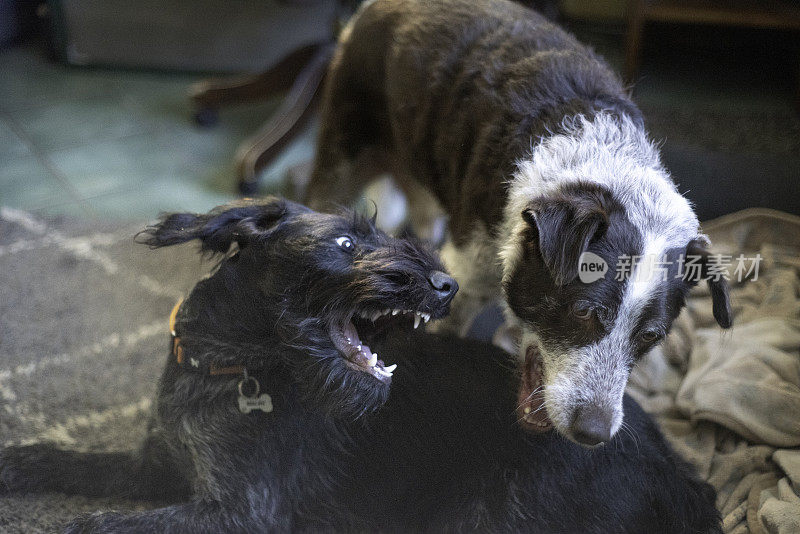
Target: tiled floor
117 144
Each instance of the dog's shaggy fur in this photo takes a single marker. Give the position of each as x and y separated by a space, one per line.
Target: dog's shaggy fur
287 304
445 454
537 155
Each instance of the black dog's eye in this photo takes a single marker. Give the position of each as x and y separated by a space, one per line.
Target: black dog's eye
345 243
650 336
584 313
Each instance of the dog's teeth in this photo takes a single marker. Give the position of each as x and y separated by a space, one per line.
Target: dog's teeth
359 347
382 372
374 360
426 316
527 410
375 316
395 312
416 320
391 368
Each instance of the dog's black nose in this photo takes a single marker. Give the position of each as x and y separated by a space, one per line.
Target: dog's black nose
444 284
592 425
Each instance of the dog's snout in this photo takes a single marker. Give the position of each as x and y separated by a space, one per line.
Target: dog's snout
444 285
592 425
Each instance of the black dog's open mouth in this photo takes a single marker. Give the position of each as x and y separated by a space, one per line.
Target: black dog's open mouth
350 339
531 410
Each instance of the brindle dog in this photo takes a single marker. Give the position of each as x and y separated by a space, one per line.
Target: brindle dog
269 364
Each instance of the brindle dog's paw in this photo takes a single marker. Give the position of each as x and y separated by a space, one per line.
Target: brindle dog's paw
95 523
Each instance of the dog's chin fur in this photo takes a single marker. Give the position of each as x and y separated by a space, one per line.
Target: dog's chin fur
567 384
325 380
332 387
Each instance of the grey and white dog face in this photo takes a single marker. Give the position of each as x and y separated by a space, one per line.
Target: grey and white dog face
580 339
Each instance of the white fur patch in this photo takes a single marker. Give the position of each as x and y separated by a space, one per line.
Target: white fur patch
609 151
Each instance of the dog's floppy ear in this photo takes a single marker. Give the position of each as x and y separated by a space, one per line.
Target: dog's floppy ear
239 222
565 224
720 293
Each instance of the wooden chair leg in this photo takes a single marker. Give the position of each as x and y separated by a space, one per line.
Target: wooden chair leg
209 95
633 42
298 106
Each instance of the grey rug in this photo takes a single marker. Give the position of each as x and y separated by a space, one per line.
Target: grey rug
83 337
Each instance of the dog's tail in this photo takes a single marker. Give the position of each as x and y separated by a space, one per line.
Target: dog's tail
148 474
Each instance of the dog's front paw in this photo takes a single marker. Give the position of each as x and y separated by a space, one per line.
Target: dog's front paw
95 523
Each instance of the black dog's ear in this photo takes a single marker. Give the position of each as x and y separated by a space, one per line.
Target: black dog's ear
720 293
239 222
565 224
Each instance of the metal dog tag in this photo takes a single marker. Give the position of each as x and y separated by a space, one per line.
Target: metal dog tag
263 402
252 400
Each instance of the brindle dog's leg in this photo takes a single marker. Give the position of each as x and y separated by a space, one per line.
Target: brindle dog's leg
473 265
353 141
338 178
149 473
197 517
235 491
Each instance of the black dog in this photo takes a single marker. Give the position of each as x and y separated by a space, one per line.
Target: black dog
446 454
268 365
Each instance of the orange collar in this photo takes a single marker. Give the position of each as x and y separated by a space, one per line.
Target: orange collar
177 351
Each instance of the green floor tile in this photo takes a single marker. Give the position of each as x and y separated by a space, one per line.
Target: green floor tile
32 80
26 183
183 153
79 210
116 165
78 122
11 145
147 202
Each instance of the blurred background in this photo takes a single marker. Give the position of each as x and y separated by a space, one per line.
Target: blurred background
118 110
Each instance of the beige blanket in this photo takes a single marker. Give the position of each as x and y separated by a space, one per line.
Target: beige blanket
729 401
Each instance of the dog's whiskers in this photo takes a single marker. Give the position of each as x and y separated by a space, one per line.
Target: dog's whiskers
534 412
629 431
527 399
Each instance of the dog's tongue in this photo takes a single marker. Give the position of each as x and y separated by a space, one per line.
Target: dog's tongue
531 411
352 334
